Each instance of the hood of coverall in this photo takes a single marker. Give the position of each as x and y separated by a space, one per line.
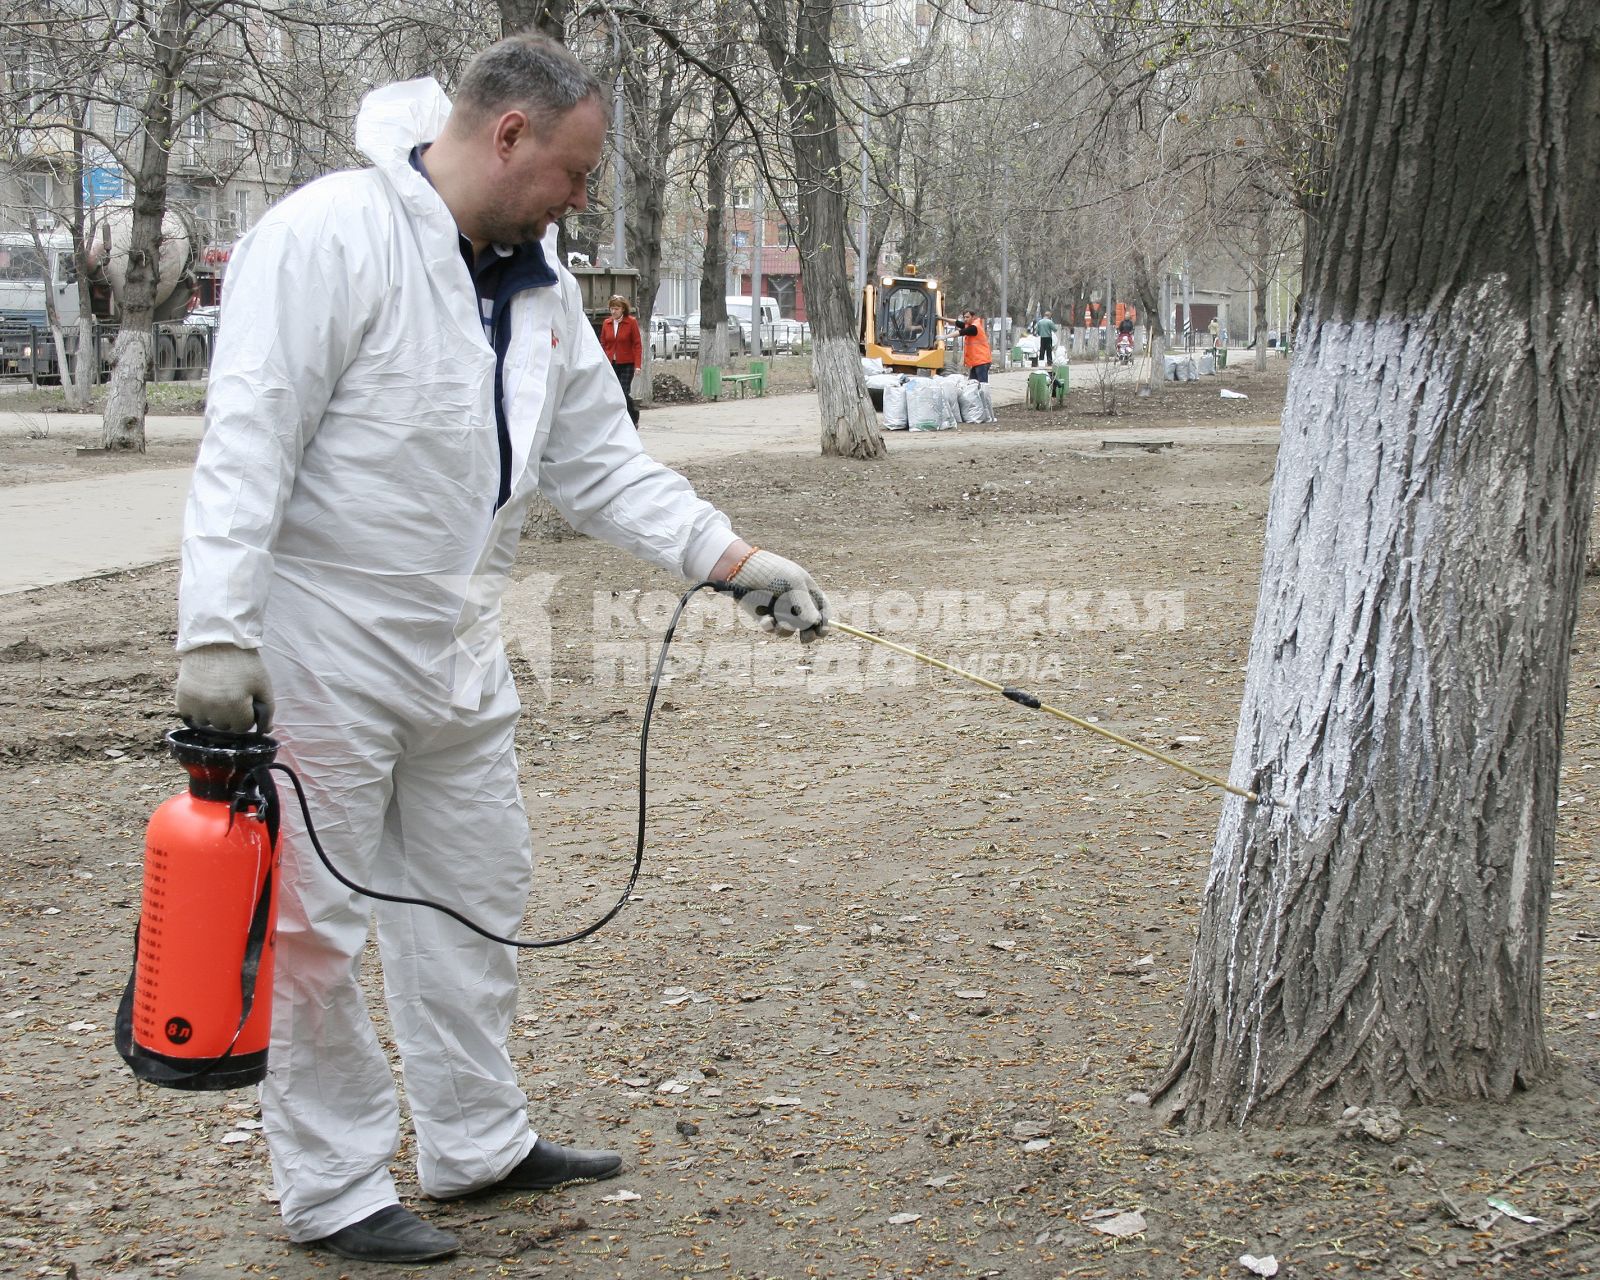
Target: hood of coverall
394 119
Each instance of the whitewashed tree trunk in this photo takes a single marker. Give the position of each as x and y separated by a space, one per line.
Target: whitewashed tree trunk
86 373
122 425
714 264
1380 940
799 48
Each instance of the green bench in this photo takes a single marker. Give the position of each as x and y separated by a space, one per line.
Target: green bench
713 380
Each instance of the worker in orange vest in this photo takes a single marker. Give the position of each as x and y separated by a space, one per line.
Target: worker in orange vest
975 350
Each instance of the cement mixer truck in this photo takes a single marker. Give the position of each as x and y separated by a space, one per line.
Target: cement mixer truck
30 269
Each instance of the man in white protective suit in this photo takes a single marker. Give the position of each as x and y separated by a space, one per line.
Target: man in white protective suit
400 367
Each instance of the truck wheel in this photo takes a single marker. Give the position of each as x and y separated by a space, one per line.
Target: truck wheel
194 360
166 359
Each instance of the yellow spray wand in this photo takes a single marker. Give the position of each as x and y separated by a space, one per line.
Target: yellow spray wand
1026 699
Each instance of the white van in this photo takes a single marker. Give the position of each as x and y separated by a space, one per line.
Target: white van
777 334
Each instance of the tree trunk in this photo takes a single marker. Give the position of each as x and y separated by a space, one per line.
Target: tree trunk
548 16
1380 939
805 78
1264 264
714 263
647 178
126 397
1147 289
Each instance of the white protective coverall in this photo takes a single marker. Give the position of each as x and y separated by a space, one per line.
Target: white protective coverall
342 519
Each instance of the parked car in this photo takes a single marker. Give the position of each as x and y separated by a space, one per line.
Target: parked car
738 336
783 336
667 337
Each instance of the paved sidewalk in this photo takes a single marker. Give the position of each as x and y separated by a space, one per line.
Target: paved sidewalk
60 531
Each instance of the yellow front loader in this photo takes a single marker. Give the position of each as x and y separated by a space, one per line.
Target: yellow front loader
900 324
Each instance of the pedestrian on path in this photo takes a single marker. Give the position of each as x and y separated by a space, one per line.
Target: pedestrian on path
399 371
619 336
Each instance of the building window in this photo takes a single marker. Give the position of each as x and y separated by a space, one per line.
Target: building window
241 210
741 239
743 197
36 191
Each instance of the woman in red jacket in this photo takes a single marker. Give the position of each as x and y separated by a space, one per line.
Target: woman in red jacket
619 335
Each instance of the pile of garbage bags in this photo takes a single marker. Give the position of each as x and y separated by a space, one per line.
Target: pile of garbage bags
937 403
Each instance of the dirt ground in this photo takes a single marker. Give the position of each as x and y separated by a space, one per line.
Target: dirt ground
904 956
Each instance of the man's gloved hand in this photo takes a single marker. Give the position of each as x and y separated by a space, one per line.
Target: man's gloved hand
782 595
221 686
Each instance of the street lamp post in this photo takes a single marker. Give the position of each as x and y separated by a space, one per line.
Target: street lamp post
861 238
619 257
755 271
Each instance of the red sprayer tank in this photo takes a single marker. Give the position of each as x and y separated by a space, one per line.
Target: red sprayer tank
198 1010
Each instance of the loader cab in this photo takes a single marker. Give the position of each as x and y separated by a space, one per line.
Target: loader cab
900 324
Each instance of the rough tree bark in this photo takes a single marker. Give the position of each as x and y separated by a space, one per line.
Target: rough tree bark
1147 290
122 423
653 103
798 42
1262 281
714 262
1381 938
548 16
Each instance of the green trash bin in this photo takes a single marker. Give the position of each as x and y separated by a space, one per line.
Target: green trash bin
1058 384
1016 355
1039 390
1222 357
711 383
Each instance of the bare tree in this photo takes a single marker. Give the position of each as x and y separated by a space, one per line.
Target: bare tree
797 36
233 83
713 349
1373 931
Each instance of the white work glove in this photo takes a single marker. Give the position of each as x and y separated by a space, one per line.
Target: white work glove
221 686
782 595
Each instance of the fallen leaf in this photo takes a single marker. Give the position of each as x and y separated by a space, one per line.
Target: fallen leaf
1112 1222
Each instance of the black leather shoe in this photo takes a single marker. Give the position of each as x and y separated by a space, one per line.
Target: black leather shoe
549 1165
393 1234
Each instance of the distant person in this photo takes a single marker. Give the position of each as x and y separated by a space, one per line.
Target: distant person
1046 329
619 336
976 353
1214 329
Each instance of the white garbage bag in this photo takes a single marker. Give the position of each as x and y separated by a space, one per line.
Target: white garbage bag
871 365
975 403
894 406
949 402
922 404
